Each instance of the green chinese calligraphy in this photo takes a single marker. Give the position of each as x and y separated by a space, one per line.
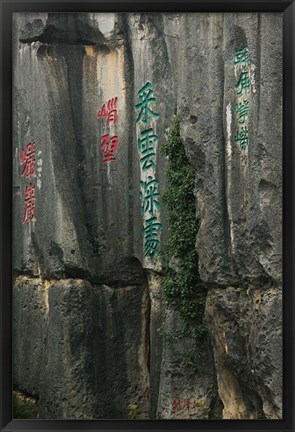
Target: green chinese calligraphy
145 96
242 109
150 196
149 186
242 57
146 147
150 233
243 85
242 138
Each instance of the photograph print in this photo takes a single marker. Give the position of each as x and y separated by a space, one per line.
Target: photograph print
147 215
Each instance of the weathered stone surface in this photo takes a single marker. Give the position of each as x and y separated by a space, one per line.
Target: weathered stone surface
87 299
186 392
239 198
76 350
246 329
238 193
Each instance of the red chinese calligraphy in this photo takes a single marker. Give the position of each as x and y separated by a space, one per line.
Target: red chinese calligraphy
109 144
109 110
108 147
112 117
28 160
191 408
186 404
176 406
29 212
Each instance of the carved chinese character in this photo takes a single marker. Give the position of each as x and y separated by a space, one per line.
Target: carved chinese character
109 110
145 96
242 57
150 233
242 138
151 247
186 404
28 160
103 112
108 147
146 147
243 110
150 196
176 406
29 212
112 104
112 117
243 85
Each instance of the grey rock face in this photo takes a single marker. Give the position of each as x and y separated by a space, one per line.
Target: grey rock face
238 195
186 393
87 303
246 329
76 350
239 202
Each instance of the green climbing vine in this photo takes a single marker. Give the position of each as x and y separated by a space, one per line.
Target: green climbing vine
181 285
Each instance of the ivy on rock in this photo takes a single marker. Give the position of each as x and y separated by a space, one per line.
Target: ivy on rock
181 285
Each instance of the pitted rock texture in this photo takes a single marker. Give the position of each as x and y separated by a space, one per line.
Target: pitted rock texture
75 349
246 329
87 307
191 395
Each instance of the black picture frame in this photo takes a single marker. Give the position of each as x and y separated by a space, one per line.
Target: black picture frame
7 424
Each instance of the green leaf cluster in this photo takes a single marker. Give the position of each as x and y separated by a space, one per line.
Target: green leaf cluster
135 412
183 290
24 408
